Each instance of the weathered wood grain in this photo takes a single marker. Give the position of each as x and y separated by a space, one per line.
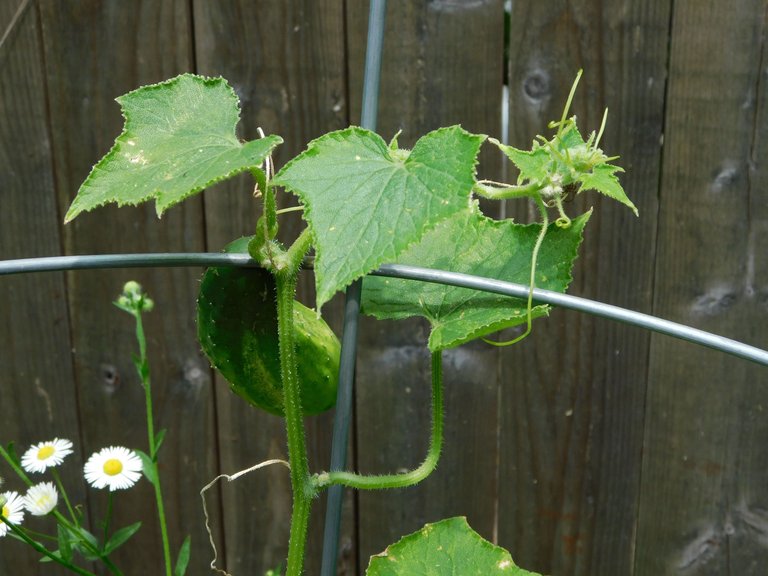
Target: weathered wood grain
703 495
36 373
588 449
94 52
286 62
442 65
573 393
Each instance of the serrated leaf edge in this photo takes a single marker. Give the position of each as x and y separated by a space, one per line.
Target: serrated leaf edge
321 297
500 324
72 213
424 530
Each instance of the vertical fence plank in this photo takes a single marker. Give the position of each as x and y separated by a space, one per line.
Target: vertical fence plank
94 52
573 393
36 375
703 496
286 61
429 79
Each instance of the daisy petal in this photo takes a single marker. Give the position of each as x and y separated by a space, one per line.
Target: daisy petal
46 455
41 499
116 468
12 510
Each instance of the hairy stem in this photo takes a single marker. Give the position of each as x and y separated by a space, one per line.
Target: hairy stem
382 481
285 269
302 488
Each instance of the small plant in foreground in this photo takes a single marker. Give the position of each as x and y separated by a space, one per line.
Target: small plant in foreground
114 468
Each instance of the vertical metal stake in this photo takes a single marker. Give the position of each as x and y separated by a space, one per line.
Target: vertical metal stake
352 307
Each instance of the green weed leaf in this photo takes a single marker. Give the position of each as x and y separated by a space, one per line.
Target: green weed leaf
366 203
120 537
182 560
86 550
159 438
65 541
446 548
148 467
473 244
179 138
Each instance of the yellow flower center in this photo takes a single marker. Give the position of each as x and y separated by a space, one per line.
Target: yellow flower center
113 467
43 500
45 452
6 512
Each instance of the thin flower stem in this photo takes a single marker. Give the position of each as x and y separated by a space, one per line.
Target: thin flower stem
143 369
383 481
60 484
40 535
21 533
12 463
108 517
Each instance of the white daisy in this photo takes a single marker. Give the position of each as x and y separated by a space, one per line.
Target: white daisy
41 499
13 511
114 467
45 455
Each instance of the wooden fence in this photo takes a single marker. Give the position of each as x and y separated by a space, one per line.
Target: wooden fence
590 448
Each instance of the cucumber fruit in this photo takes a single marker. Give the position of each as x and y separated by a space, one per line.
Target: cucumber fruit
237 329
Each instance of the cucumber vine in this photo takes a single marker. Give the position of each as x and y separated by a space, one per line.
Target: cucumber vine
366 202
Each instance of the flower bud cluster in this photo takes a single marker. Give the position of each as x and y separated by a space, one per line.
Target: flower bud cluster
133 300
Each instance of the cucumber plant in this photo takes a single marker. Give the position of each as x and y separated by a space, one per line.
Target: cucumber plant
366 202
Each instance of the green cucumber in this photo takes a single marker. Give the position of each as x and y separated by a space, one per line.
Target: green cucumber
237 329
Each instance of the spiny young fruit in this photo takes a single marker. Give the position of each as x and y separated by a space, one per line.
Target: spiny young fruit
237 329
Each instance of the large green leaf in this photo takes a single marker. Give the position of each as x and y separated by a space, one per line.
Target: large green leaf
473 244
446 548
365 202
179 138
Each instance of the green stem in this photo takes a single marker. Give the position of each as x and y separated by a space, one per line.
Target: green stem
600 132
534 258
43 550
87 543
60 484
143 369
382 481
19 472
561 124
506 191
108 518
563 221
40 535
301 483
